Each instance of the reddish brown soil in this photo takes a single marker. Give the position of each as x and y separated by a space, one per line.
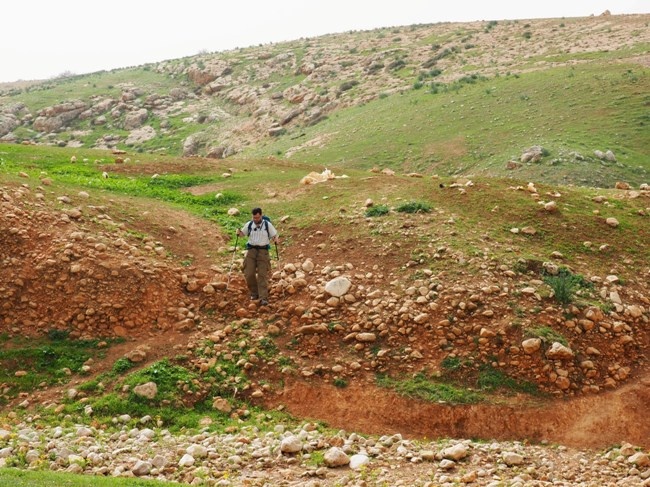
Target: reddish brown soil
587 422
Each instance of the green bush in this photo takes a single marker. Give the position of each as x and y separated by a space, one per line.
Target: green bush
414 207
565 284
451 363
348 85
121 365
378 210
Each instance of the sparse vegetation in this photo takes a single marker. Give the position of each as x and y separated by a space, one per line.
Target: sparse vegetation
50 361
430 389
547 334
491 379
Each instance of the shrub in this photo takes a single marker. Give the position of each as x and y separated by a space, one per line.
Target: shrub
397 64
429 389
58 335
121 365
564 285
414 207
348 85
451 363
378 210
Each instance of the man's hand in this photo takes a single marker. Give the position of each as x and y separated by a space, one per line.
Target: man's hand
239 232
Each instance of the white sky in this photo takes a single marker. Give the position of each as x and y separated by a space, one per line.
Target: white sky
40 39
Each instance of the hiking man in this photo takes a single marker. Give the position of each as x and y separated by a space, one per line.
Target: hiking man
257 264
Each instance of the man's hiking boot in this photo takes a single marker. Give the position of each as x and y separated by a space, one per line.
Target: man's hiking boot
254 297
263 302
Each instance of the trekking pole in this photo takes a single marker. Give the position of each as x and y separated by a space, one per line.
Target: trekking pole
232 261
277 256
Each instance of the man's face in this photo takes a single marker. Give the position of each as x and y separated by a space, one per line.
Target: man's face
257 218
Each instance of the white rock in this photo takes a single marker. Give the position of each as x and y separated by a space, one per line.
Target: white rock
141 468
147 390
531 345
290 444
197 451
559 352
338 286
447 464
455 452
186 461
366 337
639 459
358 460
511 458
335 457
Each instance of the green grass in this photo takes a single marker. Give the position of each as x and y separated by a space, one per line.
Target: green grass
431 389
547 334
378 210
82 87
491 379
44 361
55 163
469 116
414 207
565 284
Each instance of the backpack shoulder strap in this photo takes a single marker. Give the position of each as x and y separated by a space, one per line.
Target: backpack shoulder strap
250 226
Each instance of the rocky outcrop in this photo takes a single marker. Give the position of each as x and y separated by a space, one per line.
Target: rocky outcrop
55 118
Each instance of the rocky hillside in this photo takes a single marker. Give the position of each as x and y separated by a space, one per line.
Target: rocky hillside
345 311
405 305
362 305
244 101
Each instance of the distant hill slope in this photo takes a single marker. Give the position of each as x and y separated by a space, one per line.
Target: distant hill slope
448 98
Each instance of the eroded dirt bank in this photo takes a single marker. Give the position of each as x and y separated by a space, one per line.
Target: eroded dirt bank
586 422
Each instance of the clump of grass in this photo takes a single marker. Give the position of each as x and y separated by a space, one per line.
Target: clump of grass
491 379
414 207
378 210
565 284
547 334
267 348
316 458
121 365
451 363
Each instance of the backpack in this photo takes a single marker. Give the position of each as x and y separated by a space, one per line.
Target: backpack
265 222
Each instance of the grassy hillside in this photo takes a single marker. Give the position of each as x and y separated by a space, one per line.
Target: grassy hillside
477 125
449 99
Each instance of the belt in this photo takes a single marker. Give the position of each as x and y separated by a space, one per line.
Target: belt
258 247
